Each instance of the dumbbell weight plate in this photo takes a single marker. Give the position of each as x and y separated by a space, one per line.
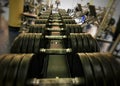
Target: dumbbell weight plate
76 28
39 29
12 70
67 29
42 29
31 43
88 73
73 43
23 48
111 71
17 44
93 44
37 43
35 28
90 42
85 43
30 29
79 29
4 65
25 43
115 64
97 47
72 28
42 42
36 67
80 43
23 69
108 75
97 70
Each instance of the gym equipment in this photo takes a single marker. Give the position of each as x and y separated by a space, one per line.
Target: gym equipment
86 69
26 42
81 43
37 28
95 68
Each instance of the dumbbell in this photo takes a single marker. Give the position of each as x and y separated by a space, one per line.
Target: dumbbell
81 43
66 17
87 69
55 14
72 28
16 68
36 43
37 28
69 21
96 68
69 28
64 14
41 21
41 28
28 43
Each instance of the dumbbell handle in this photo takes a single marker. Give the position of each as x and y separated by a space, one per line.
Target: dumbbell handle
56 81
52 29
56 51
57 37
57 24
55 20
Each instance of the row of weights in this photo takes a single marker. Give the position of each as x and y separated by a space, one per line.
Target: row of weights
33 42
14 68
69 28
92 69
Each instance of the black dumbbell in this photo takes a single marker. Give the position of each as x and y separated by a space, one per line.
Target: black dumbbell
69 21
72 28
15 69
81 43
41 21
97 69
28 43
37 28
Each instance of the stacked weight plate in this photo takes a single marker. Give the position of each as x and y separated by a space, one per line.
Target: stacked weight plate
97 69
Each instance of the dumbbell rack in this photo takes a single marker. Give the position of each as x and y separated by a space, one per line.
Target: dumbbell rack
55 65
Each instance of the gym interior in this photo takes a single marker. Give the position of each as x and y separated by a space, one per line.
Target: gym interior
59 43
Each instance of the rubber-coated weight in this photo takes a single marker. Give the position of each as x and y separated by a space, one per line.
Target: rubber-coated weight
13 70
23 69
88 73
97 70
4 65
108 75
